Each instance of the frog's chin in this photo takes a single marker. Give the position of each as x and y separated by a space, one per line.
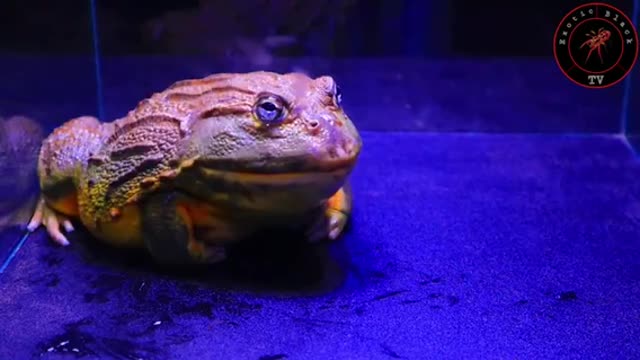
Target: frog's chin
276 192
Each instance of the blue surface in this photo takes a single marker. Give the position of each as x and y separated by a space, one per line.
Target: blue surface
462 246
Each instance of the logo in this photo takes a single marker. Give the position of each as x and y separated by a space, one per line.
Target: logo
596 45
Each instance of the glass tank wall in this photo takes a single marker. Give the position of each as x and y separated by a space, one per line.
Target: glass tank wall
630 110
403 65
47 67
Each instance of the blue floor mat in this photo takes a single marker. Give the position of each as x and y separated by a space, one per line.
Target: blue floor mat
461 246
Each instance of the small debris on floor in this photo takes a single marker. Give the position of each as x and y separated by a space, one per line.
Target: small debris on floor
567 296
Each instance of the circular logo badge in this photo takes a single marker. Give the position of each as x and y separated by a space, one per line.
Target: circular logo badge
596 45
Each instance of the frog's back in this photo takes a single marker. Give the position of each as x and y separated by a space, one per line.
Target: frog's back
134 155
139 155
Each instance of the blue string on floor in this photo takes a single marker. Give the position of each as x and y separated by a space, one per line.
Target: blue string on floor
14 251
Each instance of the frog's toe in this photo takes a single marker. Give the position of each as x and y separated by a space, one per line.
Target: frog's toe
52 221
36 219
328 227
337 223
334 218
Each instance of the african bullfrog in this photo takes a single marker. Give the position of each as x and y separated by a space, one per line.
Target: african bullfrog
203 163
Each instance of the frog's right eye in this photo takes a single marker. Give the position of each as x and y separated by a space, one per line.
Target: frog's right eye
270 110
337 96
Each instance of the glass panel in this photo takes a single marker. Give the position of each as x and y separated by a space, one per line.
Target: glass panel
402 65
48 77
631 110
631 98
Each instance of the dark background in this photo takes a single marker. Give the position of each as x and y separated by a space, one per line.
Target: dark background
403 65
343 28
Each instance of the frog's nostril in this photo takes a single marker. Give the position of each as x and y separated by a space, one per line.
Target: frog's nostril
316 120
313 126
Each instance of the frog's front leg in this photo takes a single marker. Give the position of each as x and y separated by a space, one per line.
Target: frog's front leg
333 219
168 232
62 157
52 221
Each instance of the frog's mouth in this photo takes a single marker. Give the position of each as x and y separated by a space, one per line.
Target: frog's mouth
277 166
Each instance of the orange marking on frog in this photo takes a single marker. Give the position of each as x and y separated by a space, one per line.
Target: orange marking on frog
337 201
67 205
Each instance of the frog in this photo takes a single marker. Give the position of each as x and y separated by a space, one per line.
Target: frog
202 164
20 139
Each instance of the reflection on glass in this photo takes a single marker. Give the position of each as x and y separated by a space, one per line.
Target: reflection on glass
20 139
48 76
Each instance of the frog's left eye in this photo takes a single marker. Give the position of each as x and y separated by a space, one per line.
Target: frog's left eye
270 110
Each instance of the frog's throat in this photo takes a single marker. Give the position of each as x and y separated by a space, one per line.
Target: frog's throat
235 177
275 193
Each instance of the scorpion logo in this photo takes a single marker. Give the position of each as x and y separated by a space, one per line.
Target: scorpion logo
596 42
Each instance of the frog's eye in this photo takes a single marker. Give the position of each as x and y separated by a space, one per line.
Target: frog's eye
337 96
270 110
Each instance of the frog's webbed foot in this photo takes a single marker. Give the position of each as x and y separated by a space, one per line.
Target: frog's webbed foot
168 234
333 220
52 221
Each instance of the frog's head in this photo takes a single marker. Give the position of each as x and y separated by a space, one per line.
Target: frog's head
285 140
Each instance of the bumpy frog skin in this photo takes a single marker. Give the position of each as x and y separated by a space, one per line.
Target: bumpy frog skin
20 139
203 163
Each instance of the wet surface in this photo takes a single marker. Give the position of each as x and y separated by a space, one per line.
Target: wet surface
461 246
